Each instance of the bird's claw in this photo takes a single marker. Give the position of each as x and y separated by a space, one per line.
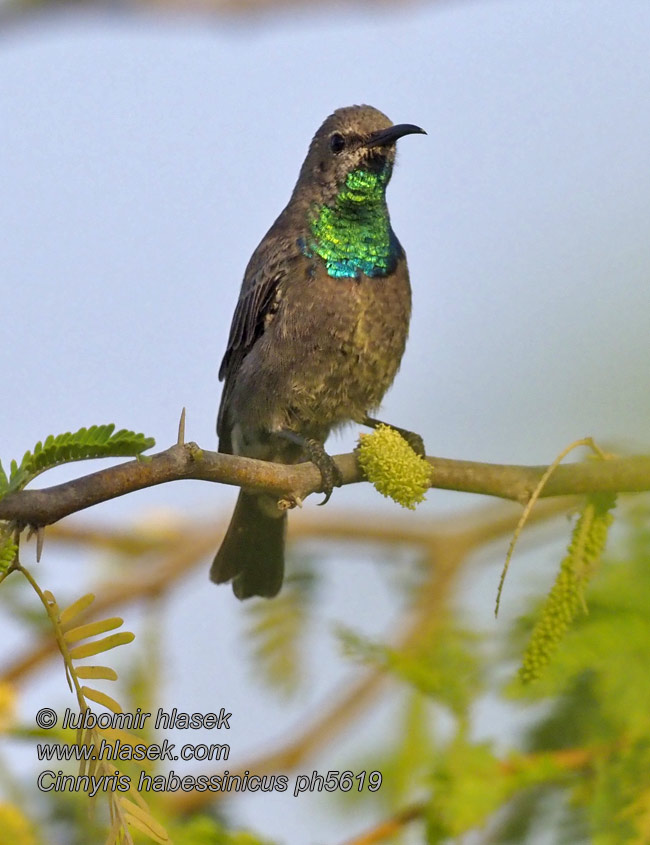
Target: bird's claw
290 501
329 472
415 442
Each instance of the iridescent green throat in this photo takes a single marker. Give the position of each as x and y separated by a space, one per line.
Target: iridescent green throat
353 235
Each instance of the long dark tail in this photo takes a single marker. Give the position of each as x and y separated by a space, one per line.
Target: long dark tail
252 552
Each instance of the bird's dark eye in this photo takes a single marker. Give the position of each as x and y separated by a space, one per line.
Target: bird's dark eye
337 143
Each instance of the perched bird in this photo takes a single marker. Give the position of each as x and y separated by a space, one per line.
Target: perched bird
318 332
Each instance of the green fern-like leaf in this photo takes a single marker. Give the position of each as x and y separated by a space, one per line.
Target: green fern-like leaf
98 441
567 594
8 551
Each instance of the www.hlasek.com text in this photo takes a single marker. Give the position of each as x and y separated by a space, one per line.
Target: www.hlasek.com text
115 749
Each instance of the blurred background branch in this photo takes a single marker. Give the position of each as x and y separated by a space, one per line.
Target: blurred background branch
14 11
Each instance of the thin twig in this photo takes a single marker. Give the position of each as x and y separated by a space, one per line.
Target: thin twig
534 496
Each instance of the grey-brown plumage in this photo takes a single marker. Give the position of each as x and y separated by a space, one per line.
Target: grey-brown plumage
318 332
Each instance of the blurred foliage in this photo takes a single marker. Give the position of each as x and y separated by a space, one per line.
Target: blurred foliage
15 828
205 830
598 690
579 771
444 666
277 632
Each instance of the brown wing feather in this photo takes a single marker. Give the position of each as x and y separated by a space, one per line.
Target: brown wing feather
248 323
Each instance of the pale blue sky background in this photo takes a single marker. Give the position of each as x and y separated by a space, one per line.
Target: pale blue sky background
141 161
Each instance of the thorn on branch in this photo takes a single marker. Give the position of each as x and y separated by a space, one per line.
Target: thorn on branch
181 429
39 530
40 540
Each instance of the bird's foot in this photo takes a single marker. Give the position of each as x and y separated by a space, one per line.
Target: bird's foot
414 440
329 472
315 452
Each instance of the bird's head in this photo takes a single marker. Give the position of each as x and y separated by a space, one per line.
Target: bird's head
351 139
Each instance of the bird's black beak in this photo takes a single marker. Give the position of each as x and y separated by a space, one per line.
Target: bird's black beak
385 137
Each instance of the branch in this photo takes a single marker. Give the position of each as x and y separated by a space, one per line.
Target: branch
43 507
390 827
